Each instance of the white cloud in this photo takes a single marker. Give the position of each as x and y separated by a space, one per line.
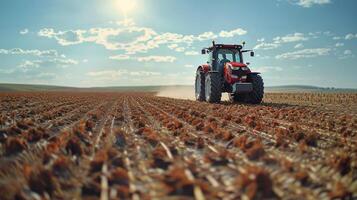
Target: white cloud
339 44
189 66
261 40
180 49
144 58
126 22
120 57
107 74
266 46
33 52
47 58
351 36
336 38
45 75
262 57
64 63
298 46
172 46
191 53
142 38
310 3
64 38
315 35
24 31
175 47
144 73
172 38
28 65
304 53
327 33
347 52
232 33
296 37
206 36
156 59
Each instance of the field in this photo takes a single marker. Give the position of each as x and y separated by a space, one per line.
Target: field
86 145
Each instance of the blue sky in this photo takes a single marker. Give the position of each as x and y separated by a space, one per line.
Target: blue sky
157 42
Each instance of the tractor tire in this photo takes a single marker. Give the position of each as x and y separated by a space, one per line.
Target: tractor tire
213 90
200 86
256 96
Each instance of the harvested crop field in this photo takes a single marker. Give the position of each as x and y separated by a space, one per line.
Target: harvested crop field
64 145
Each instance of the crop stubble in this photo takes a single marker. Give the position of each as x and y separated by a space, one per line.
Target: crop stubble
139 146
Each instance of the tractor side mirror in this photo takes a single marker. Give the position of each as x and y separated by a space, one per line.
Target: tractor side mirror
203 51
252 54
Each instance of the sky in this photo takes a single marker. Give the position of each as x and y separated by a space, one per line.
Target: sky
158 42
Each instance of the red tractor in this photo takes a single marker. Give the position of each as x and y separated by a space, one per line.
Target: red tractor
225 71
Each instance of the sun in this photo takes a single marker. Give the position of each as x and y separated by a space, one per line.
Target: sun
126 6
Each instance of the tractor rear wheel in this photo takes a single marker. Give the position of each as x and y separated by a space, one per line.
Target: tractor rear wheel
256 96
213 84
200 86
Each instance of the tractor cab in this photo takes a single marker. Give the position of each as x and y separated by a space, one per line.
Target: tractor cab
219 54
225 71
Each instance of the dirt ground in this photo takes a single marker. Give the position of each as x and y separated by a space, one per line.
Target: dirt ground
68 145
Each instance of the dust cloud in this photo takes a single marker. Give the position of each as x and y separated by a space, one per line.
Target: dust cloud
181 92
177 92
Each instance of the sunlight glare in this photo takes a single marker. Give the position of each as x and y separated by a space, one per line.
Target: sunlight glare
126 6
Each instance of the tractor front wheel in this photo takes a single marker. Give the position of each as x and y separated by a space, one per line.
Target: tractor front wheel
256 96
213 84
200 86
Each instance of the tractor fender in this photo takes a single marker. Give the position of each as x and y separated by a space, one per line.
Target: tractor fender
204 68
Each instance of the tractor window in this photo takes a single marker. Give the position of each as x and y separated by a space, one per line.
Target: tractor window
237 57
209 58
230 54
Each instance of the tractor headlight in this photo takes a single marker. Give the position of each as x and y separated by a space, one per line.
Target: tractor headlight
245 68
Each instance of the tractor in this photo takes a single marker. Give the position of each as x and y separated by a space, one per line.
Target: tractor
225 71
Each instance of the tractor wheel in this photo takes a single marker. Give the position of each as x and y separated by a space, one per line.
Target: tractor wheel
213 89
200 86
240 98
256 96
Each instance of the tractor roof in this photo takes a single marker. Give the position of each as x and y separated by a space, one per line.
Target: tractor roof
226 46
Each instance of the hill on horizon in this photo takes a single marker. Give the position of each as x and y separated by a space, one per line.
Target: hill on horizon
10 87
